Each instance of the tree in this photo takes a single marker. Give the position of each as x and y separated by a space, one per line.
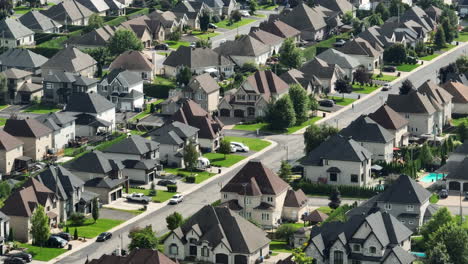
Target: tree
425 155
285 232
289 55
449 30
438 255
224 147
462 132
40 229
406 87
203 43
383 11
439 39
11 236
95 21
253 6
174 220
3 89
300 102
455 239
342 86
77 219
285 170
335 198
205 20
124 40
33 3
300 257
427 3
236 16
249 67
184 75
75 234
143 238
462 63
190 156
282 114
102 56
396 8
347 18
315 135
361 76
95 212
175 35
395 54
313 103
375 20
440 218
5 190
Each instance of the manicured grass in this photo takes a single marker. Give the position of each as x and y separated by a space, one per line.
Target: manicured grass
325 209
176 44
251 127
342 101
458 121
385 78
228 25
434 198
448 47
254 144
107 144
147 110
221 160
161 195
364 89
305 124
70 152
135 212
161 80
2 121
41 109
268 7
462 37
204 35
200 175
137 132
260 15
43 253
21 10
55 43
407 67
265 127
279 246
429 57
310 52
92 229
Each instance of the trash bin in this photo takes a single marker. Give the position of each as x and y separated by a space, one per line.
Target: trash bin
219 170
70 246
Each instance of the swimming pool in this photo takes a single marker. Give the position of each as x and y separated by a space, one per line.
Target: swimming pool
419 254
432 177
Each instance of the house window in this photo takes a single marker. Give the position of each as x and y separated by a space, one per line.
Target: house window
333 177
356 248
354 178
225 196
338 257
407 116
325 162
247 200
173 249
265 216
205 252
241 97
270 199
48 208
54 205
193 241
248 215
410 222
388 207
410 208
373 250
403 221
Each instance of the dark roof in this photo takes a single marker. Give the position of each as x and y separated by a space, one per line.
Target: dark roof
205 82
72 9
85 119
144 164
315 216
404 191
388 118
95 5
196 58
221 225
88 103
364 129
462 149
134 144
125 77
258 180
35 20
414 102
460 172
70 59
458 90
60 180
266 83
56 121
311 18
341 6
95 162
232 204
14 73
265 37
96 37
105 182
295 198
279 28
26 128
333 56
22 58
321 69
360 46
245 45
9 142
13 29
173 133
140 256
132 61
339 148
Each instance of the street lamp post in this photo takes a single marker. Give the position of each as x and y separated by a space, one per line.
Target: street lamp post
244 185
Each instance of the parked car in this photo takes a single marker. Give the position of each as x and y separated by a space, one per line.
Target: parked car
193 45
244 13
165 182
138 198
389 69
386 87
22 255
203 163
213 26
339 43
56 242
162 46
443 194
64 235
14 261
327 103
233 148
178 198
104 236
298 170
240 147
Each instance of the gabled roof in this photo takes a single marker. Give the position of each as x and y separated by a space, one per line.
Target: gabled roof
311 18
13 73
404 191
279 28
295 76
414 102
360 46
13 29
96 37
22 58
258 180
88 103
72 9
266 83
95 162
56 121
321 69
9 142
460 173
337 148
341 6
140 256
37 21
26 128
220 225
204 82
462 149
296 199
125 77
132 61
458 90
196 58
173 133
96 6
70 59
134 144
388 118
61 181
245 45
266 37
364 129
332 56
436 94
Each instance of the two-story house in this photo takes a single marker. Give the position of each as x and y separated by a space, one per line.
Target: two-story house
371 57
172 138
37 137
251 99
14 34
69 12
313 26
63 127
136 61
38 22
378 238
22 59
124 89
372 137
281 29
217 235
442 102
394 123
245 49
347 63
11 148
459 92
70 59
257 193
58 86
326 73
20 88
340 161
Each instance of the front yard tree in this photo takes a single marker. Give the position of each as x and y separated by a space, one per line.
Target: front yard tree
462 63
395 54
184 75
300 102
102 56
40 229
440 218
448 30
190 156
224 147
285 170
315 135
143 238
406 87
203 43
396 8
347 18
282 114
95 21
375 20
95 212
361 76
439 39
285 232
124 40
342 86
300 257
455 239
174 220
335 199
253 6
205 20
383 11
313 103
462 132
438 255
289 55
236 16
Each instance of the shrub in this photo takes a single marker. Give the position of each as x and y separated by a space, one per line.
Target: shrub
152 193
172 188
77 219
345 190
190 179
75 234
67 230
216 19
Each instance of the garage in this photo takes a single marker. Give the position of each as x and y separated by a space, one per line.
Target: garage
465 187
240 259
454 186
222 259
225 112
238 113
125 106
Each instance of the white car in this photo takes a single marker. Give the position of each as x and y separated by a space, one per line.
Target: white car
203 163
244 13
386 87
240 147
178 198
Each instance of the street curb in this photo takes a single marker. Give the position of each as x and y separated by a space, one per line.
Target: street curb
187 192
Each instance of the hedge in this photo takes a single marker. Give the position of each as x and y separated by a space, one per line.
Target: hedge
172 188
44 37
311 188
190 179
339 214
157 90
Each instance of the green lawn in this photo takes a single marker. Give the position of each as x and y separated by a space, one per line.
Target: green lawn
176 44
147 110
407 67
92 229
200 175
161 196
161 80
251 127
2 121
21 10
458 121
429 57
462 37
4 106
265 126
279 246
364 89
434 198
384 77
254 144
228 25
325 209
41 109
305 124
310 52
135 212
342 101
260 15
107 144
220 160
448 47
43 253
204 35
267 7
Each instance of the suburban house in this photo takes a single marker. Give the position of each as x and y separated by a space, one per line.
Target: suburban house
190 12
14 34
22 203
251 99
96 6
312 84
209 133
372 137
374 238
371 57
377 37
140 256
99 113
257 193
245 49
312 24
124 89
98 37
70 59
199 61
146 28
172 138
267 38
69 189
327 74
63 127
69 12
340 6
217 235
281 29
135 61
442 102
59 85
140 157
4 231
169 20
459 93
101 174
22 59
20 88
36 137
11 148
340 161
405 199
394 123
38 22
202 89
347 63
116 8
463 7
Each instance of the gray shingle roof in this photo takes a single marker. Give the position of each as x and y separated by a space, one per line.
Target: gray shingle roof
404 191
364 129
205 82
321 69
132 61
22 58
135 144
311 18
26 128
414 102
37 21
388 118
9 142
124 77
14 73
96 6
96 37
70 59
95 162
360 46
72 9
60 180
279 28
55 121
13 29
243 46
332 56
265 37
88 103
174 133
460 172
196 58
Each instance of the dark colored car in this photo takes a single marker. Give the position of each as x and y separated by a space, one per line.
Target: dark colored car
326 103
104 236
162 46
56 242
298 169
166 182
14 261
389 69
64 235
22 255
443 194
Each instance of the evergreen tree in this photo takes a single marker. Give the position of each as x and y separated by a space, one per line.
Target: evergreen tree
190 156
439 39
335 199
40 229
224 147
143 238
285 170
375 20
289 55
174 220
95 211
406 87
425 155
382 10
124 40
184 75
205 20
462 132
75 234
300 102
282 114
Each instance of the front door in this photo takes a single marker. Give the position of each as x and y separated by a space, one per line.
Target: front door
193 250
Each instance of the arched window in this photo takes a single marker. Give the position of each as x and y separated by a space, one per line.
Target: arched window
173 249
338 257
205 252
373 250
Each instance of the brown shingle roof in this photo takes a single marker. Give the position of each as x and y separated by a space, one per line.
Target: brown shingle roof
414 102
360 46
265 37
459 91
26 128
295 198
266 83
388 118
196 58
315 216
14 73
205 82
9 142
279 28
140 256
70 59
243 46
132 61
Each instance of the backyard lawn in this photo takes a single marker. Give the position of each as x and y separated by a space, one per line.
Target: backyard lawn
41 109
325 209
458 121
176 44
251 127
407 67
147 110
363 89
429 57
43 253
161 195
309 52
201 175
254 144
342 101
384 77
268 7
279 246
462 37
220 160
21 10
228 25
204 35
91 229
434 198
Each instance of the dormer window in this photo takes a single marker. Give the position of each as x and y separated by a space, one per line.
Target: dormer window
388 207
410 208
193 241
357 248
372 250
